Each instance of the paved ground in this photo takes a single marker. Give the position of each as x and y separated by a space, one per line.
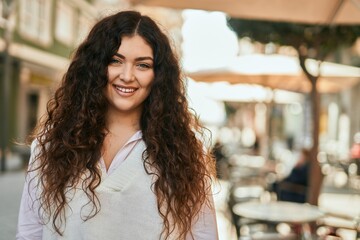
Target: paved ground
11 184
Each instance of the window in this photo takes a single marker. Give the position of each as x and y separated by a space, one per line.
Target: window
35 20
85 23
65 16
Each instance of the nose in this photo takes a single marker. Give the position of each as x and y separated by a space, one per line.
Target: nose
126 73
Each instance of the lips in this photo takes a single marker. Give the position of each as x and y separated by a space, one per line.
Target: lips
125 90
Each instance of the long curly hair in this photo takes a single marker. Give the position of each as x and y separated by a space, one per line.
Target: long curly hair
72 134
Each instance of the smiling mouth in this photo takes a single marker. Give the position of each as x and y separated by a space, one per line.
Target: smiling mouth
125 89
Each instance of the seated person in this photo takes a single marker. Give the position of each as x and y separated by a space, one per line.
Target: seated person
293 188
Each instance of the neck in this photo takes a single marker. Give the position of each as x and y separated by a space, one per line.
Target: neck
118 123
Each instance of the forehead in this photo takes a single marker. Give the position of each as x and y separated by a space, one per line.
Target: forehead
135 46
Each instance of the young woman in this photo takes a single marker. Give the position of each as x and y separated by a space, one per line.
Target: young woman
119 155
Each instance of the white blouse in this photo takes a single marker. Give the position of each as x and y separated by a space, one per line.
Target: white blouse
31 227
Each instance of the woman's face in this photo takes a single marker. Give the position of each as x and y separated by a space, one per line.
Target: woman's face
130 76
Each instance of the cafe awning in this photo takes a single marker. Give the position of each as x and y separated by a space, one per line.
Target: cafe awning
281 72
301 11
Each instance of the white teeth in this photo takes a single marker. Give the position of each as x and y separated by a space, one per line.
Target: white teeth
125 90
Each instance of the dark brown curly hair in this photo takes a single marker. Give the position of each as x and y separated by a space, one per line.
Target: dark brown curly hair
71 137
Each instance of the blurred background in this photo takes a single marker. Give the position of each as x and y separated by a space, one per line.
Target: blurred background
276 82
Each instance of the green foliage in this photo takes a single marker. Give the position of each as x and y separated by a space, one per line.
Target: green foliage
321 39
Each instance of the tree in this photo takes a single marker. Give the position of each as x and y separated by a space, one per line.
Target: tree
310 41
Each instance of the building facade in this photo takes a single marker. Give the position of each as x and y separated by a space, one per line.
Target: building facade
43 34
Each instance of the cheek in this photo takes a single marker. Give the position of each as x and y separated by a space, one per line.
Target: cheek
150 84
146 80
111 74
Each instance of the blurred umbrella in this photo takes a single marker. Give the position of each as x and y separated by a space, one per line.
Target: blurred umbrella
281 72
224 91
210 111
301 11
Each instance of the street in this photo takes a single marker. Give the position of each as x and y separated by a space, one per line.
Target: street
11 185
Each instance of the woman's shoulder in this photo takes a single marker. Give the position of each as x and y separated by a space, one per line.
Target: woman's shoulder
34 144
35 150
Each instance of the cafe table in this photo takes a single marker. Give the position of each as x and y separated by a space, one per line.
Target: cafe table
281 212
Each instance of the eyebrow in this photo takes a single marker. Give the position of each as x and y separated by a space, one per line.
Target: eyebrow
137 59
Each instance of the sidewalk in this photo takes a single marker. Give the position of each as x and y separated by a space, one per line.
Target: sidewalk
11 185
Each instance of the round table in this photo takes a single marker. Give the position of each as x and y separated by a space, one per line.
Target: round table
280 212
